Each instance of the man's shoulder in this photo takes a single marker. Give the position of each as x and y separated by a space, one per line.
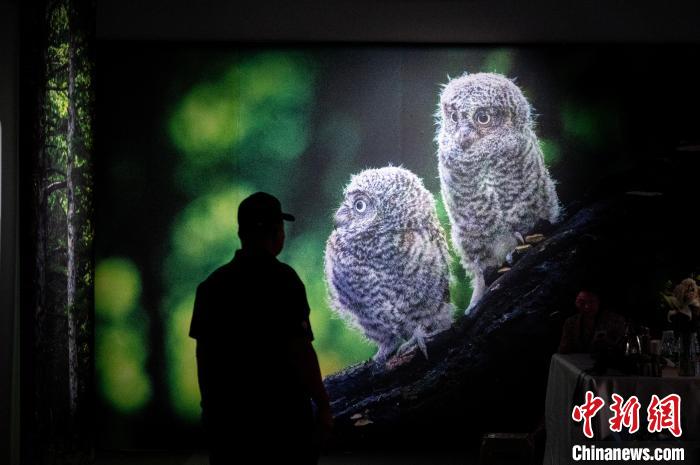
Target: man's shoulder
288 272
218 276
285 268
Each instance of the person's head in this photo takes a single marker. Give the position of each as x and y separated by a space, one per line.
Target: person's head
260 223
587 302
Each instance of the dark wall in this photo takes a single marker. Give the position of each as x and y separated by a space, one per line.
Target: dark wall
8 233
435 21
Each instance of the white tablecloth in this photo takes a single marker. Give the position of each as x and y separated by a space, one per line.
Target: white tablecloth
567 385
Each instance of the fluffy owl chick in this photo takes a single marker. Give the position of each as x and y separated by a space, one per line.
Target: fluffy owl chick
494 182
386 261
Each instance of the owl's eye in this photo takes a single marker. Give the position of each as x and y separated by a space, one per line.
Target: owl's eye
360 206
482 117
454 116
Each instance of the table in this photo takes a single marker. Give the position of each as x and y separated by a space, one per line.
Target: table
566 387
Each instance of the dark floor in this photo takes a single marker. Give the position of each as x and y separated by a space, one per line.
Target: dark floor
200 458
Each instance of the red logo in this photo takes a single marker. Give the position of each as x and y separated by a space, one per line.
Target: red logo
661 413
665 414
626 414
587 411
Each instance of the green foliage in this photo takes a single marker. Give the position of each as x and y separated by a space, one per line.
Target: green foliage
182 369
58 24
591 124
62 43
255 113
120 354
460 287
58 99
580 122
120 349
498 61
205 123
550 150
117 290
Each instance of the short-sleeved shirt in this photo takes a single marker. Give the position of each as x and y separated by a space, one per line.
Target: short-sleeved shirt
245 315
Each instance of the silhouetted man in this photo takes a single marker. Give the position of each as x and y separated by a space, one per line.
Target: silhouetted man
257 369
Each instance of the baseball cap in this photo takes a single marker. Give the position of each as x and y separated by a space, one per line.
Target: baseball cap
261 209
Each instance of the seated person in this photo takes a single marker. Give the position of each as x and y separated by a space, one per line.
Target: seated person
592 329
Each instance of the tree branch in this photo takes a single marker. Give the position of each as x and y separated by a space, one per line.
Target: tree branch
54 186
477 368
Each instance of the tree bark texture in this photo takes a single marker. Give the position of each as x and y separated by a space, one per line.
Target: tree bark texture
70 224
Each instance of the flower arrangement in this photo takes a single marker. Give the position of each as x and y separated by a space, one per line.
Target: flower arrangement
683 305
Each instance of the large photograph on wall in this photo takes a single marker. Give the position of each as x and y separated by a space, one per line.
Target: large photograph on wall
450 203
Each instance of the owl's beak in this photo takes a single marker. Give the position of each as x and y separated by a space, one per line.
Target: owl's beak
467 136
340 218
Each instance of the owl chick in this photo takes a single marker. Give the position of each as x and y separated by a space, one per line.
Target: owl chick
386 261
494 182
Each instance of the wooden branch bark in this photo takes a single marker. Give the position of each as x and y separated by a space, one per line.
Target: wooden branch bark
54 186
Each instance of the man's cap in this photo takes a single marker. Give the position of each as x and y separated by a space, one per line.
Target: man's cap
261 209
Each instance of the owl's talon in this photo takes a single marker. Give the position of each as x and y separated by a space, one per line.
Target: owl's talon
469 308
405 349
417 340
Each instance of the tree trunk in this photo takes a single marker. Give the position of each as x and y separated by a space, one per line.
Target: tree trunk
71 278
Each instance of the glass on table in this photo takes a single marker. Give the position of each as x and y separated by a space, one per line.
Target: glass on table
669 347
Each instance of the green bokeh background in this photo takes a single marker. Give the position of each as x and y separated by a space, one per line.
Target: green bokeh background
197 130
